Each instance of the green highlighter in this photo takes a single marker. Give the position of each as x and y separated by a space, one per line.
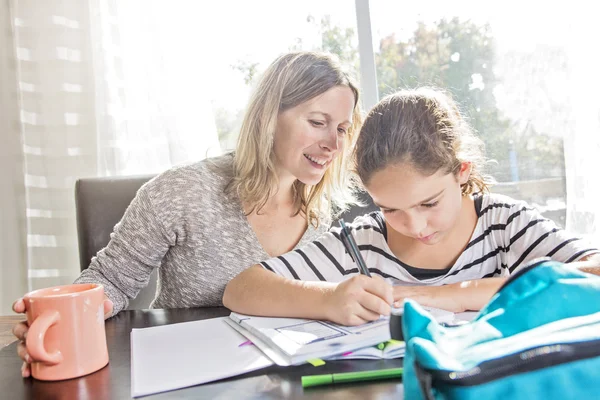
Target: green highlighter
329 379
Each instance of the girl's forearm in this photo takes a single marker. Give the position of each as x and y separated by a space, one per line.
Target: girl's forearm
456 297
473 295
257 291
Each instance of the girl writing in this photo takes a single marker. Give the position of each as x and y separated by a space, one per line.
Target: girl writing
441 238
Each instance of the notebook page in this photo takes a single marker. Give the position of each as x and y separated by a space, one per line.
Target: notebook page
179 355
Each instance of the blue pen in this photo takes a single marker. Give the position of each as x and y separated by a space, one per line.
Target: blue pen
350 245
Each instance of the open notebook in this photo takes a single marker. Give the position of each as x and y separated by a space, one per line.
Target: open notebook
395 348
293 341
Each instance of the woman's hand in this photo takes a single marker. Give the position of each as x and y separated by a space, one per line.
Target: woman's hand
20 331
358 300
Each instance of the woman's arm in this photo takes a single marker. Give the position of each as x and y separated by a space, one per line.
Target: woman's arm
136 247
354 301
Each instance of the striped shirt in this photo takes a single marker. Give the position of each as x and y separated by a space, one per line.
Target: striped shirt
508 234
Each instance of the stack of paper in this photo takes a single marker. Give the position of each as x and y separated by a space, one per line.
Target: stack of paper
292 341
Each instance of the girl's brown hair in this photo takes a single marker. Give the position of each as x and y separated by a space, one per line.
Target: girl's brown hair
424 128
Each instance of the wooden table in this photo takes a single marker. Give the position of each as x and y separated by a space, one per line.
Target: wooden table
114 380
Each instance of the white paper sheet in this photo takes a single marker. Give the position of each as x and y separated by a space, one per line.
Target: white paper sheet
175 356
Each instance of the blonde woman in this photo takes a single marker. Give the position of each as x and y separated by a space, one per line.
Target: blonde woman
203 223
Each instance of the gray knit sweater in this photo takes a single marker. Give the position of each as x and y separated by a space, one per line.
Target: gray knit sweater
182 223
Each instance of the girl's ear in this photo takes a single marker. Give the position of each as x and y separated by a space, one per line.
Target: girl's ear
464 172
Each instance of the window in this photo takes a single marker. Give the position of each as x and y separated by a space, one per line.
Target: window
509 69
246 46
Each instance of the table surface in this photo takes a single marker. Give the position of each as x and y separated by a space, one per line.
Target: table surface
114 380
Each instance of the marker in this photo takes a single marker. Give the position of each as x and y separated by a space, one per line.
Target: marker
330 379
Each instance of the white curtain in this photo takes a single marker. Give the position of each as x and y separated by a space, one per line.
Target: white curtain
87 89
152 108
13 277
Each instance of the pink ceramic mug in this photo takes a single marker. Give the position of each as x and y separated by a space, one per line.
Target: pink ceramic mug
66 337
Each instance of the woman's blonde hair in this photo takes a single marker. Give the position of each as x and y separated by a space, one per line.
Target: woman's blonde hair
424 128
292 79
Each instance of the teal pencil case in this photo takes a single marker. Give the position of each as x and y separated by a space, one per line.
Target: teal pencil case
537 338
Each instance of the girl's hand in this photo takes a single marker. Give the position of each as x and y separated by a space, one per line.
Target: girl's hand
444 297
358 300
20 332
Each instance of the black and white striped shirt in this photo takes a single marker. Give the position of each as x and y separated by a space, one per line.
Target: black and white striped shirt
508 234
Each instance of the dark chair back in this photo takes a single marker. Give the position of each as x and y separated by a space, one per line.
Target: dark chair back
100 204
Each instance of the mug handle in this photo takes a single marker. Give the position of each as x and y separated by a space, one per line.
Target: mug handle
35 338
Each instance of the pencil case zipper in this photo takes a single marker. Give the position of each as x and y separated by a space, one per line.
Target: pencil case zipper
528 360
